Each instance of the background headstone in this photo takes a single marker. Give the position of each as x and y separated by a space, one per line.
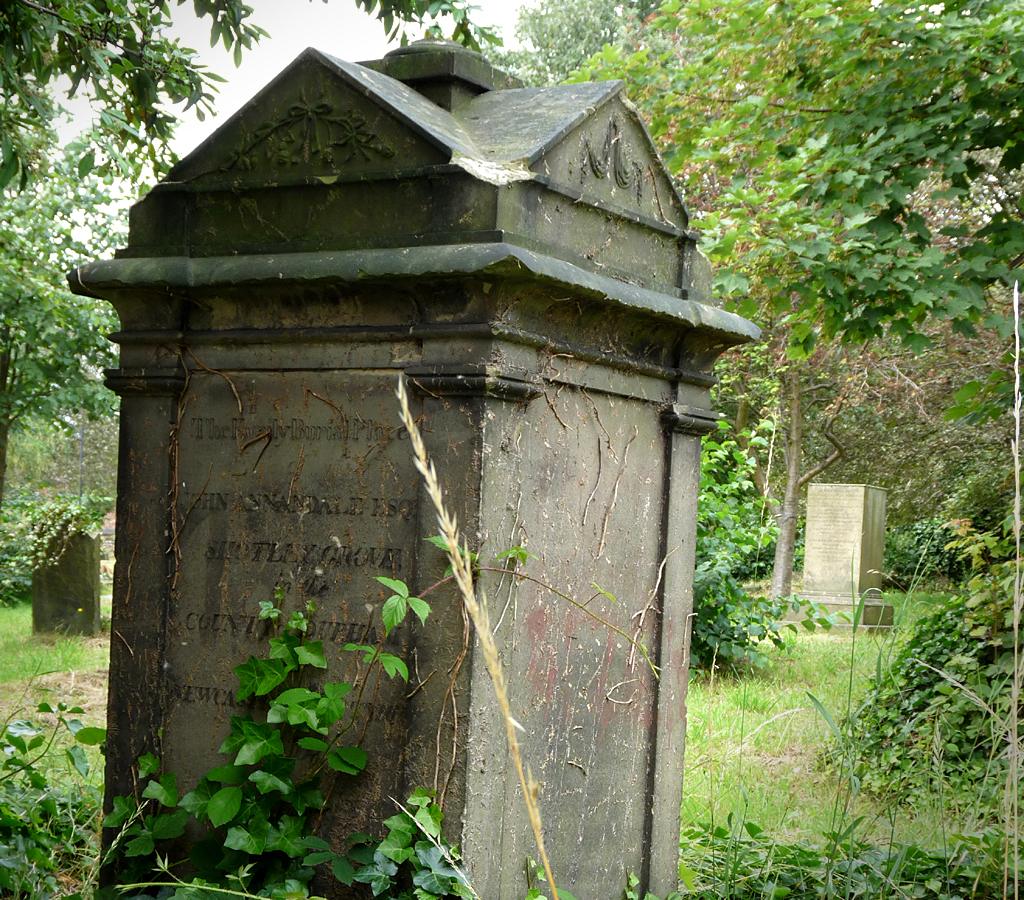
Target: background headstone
522 257
66 595
844 544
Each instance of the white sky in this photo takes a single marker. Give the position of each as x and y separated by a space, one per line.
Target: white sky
336 27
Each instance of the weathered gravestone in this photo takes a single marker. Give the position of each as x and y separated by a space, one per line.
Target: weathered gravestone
66 594
845 541
521 255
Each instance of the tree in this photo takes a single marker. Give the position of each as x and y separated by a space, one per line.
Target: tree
558 38
136 73
52 342
853 164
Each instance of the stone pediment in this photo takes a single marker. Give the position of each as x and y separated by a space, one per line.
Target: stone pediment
323 117
586 139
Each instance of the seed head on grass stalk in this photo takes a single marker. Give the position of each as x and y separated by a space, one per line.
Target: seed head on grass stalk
458 556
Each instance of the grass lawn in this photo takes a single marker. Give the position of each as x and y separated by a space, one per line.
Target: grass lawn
753 741
35 667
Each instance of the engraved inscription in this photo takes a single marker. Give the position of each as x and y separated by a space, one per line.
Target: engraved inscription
313 554
613 160
251 626
280 503
344 429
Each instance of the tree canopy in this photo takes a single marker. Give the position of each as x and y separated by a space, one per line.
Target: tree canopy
856 165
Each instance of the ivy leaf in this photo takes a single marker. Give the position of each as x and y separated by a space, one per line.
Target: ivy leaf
315 744
266 782
287 836
195 801
348 760
148 765
169 825
261 742
311 653
224 806
260 676
343 871
140 846
164 791
123 810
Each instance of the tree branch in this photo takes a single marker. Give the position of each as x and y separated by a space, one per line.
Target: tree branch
838 452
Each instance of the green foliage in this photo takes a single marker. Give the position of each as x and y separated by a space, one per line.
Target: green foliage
261 808
558 38
934 720
412 862
919 552
53 343
733 531
729 863
47 825
34 532
857 164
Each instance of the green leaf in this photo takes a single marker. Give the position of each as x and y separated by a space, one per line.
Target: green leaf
169 825
123 810
86 163
393 612
224 806
311 653
148 765
421 608
78 759
394 584
394 666
266 782
140 846
91 737
348 760
826 715
261 743
164 791
311 743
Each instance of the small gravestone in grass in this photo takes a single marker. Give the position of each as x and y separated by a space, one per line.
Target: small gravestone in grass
844 546
66 591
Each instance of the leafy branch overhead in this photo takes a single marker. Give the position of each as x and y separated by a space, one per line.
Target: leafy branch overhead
139 76
857 166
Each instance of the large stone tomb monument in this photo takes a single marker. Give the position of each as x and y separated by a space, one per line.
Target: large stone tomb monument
66 593
845 541
522 257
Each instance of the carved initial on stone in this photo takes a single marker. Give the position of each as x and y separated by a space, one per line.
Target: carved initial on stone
613 160
308 132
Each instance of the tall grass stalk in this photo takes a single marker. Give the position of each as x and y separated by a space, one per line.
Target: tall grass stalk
459 558
1013 748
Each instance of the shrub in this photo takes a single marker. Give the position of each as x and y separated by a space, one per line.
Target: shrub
920 551
34 532
721 863
735 535
46 827
934 719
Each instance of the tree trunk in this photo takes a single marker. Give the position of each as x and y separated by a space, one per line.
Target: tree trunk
789 509
5 430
